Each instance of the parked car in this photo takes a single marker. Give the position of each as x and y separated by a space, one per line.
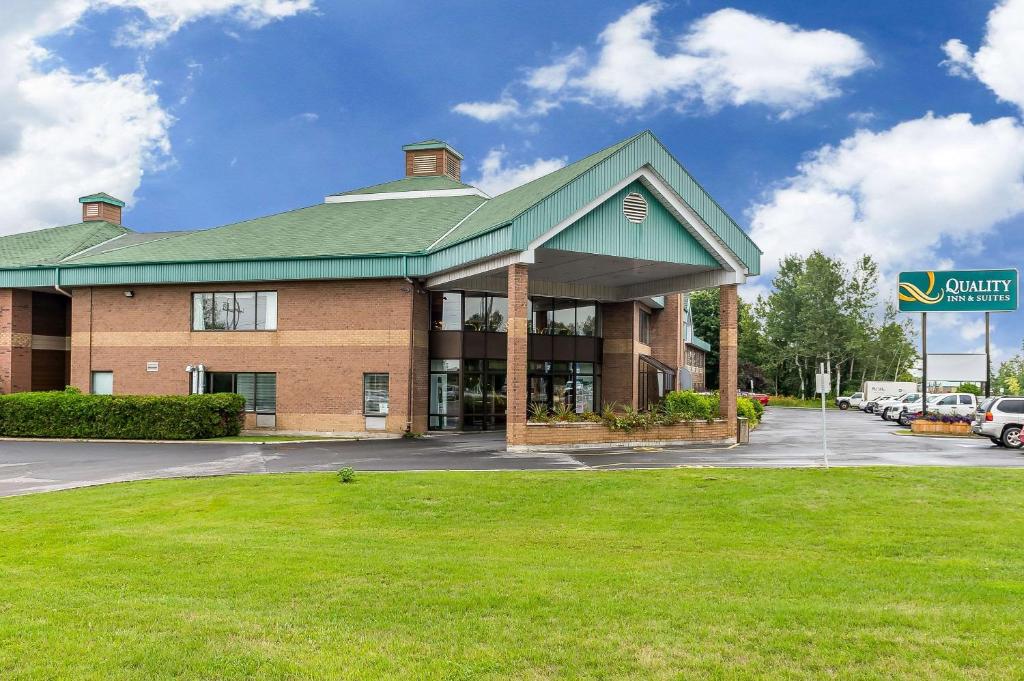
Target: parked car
947 404
870 405
848 401
1000 419
912 410
760 397
889 410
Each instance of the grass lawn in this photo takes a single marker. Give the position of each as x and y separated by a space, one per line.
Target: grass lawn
699 573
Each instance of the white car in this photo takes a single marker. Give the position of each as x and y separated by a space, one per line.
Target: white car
871 406
955 404
853 400
1001 419
890 410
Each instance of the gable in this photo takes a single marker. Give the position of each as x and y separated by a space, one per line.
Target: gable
606 231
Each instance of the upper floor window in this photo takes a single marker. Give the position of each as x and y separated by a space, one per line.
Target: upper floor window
645 327
234 311
563 317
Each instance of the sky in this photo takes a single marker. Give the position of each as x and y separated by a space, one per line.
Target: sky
895 129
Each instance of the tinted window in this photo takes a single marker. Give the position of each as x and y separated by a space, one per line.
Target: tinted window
476 313
966 399
949 399
497 318
1011 406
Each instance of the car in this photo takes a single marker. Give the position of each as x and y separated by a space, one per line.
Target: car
956 404
889 410
869 406
912 410
848 401
1000 419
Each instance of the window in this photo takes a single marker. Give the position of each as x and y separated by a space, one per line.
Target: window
563 317
645 327
446 311
1011 406
375 394
102 383
949 399
258 389
234 311
474 315
574 384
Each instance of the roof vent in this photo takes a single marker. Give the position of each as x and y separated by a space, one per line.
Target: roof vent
634 207
101 207
432 157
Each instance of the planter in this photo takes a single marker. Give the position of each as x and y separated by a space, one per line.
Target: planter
584 435
939 428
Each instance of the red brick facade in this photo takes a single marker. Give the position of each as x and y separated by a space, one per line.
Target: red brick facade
727 350
329 334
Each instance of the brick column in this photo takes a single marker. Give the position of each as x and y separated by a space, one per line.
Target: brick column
518 340
727 357
15 340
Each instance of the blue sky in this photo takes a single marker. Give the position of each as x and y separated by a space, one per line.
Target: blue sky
243 112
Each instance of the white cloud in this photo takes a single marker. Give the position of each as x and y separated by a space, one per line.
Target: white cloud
728 57
306 117
65 134
999 62
496 177
488 112
898 194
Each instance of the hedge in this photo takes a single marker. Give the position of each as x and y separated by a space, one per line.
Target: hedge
693 406
70 414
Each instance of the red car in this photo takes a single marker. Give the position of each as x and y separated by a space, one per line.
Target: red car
760 397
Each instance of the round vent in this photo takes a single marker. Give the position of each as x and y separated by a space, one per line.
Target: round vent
634 207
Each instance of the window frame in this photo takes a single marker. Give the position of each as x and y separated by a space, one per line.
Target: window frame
256 297
387 376
248 408
643 327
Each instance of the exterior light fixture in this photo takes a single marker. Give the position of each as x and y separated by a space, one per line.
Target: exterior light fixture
129 294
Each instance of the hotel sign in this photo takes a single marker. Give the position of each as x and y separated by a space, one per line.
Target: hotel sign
958 291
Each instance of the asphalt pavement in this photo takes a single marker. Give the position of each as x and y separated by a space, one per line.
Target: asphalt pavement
786 438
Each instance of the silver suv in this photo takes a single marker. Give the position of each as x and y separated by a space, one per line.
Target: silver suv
1000 419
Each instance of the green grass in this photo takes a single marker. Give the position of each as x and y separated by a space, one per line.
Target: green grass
811 403
699 573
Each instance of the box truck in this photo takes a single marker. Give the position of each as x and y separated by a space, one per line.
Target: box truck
874 389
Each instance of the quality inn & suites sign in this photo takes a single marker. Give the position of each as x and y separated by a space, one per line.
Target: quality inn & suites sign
958 291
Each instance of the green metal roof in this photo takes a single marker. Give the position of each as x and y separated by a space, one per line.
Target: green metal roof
432 144
49 246
409 184
373 238
700 343
101 197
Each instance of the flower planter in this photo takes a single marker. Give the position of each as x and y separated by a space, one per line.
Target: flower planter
939 428
587 434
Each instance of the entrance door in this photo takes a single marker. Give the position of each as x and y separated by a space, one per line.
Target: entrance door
484 395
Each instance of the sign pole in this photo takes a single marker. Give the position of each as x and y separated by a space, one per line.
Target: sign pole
822 388
924 363
988 359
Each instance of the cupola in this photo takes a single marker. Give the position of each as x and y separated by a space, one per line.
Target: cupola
101 207
432 157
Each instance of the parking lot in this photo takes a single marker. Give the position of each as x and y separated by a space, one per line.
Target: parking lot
786 438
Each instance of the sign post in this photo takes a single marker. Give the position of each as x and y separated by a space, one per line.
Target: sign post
957 291
823 385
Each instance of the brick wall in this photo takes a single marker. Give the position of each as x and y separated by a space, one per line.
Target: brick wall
667 334
581 434
329 334
518 340
619 363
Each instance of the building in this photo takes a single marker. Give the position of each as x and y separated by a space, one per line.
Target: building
416 304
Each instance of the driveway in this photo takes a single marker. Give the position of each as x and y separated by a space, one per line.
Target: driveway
786 438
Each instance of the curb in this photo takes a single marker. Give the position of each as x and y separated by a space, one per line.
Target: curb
179 442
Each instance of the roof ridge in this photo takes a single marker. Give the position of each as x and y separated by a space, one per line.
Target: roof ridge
92 232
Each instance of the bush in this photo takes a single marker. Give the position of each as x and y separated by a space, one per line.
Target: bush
70 414
745 407
346 475
972 388
944 418
691 406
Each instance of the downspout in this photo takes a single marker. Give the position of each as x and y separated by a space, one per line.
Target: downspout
412 343
56 282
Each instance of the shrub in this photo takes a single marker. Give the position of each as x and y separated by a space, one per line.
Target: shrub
745 407
70 414
691 406
346 475
972 388
944 418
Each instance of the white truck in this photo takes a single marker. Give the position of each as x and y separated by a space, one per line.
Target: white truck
873 390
